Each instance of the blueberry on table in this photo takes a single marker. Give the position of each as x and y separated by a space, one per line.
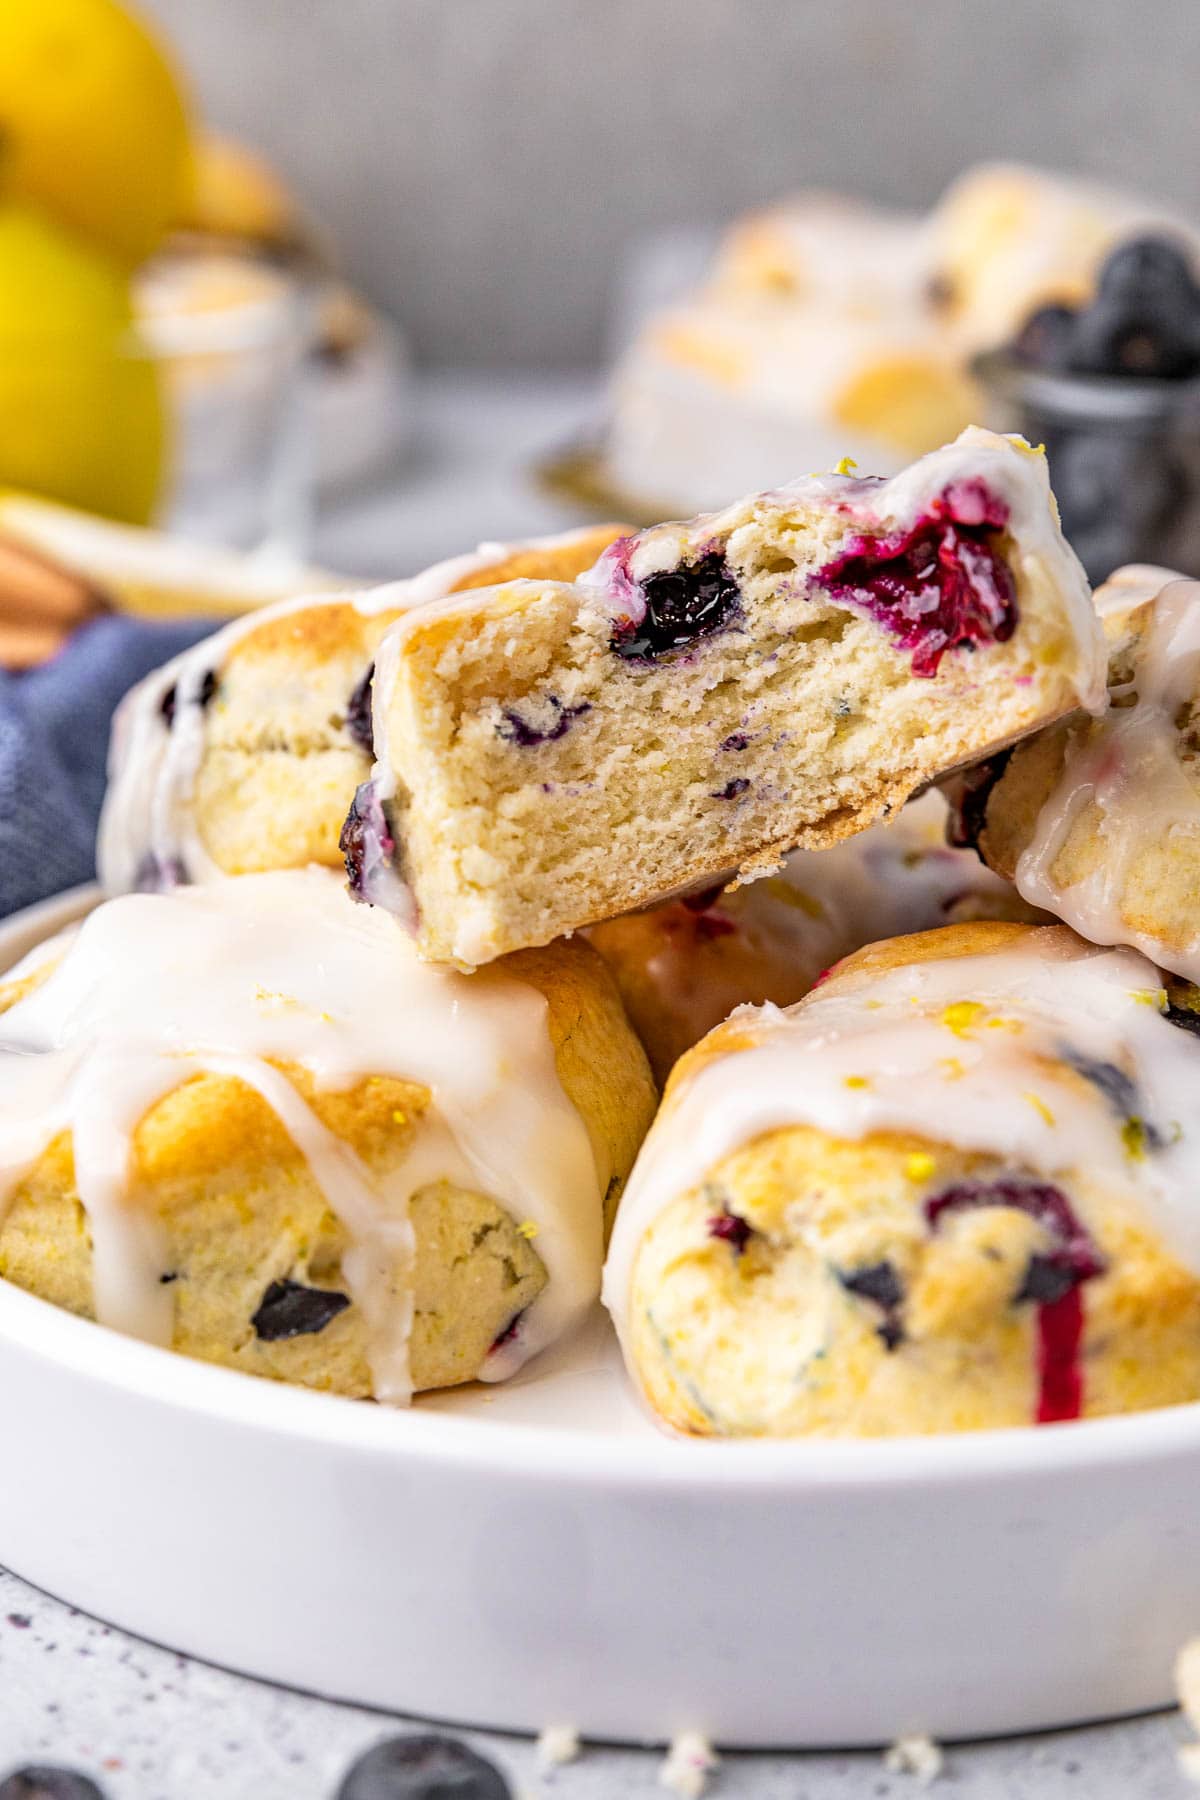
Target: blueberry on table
421 1768
43 1782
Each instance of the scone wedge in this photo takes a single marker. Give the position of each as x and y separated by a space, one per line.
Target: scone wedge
714 694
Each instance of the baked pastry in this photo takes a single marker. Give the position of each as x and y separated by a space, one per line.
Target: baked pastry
259 1130
714 694
684 966
729 393
1097 820
824 322
1006 238
954 1188
825 250
244 753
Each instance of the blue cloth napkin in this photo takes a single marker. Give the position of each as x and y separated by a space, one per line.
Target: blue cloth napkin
54 723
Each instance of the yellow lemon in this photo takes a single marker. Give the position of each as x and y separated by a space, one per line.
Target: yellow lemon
93 125
81 417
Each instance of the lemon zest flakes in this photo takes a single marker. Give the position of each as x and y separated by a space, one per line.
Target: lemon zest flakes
857 1081
287 1003
952 1068
527 1229
1155 997
960 1017
1133 1136
919 1165
399 1118
1002 1024
847 466
1039 1106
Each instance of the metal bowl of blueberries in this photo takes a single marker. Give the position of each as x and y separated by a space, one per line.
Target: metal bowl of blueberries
1112 389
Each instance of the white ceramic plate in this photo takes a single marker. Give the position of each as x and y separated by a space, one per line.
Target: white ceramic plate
537 1552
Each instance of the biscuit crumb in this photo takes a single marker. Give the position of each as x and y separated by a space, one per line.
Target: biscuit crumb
690 1760
916 1755
557 1744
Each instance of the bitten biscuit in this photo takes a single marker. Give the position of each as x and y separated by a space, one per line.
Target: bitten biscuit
713 695
243 755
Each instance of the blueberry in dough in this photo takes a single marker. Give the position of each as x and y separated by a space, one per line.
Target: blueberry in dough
358 713
683 604
288 1310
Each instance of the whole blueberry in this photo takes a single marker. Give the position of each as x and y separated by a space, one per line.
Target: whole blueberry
1145 268
1138 337
41 1781
1047 338
422 1768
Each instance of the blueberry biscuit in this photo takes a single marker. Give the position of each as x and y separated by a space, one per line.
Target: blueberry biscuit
951 1189
1097 820
682 967
258 1130
714 694
244 754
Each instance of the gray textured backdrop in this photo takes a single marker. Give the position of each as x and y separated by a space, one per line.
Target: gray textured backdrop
483 163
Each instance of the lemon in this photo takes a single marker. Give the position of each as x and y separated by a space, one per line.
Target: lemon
81 417
93 125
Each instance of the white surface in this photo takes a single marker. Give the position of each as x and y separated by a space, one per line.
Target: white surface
536 1552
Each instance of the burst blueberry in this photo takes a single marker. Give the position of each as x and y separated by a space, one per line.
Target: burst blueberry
693 601
942 585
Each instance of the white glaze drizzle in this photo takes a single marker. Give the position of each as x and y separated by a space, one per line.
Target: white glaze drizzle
884 1054
152 765
238 976
1127 765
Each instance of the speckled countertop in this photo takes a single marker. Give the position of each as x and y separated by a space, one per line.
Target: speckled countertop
150 1725
147 1724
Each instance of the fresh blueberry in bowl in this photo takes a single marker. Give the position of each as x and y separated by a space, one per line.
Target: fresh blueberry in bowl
1047 337
422 1768
1148 266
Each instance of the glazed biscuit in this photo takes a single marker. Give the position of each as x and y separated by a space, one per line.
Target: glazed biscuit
952 1189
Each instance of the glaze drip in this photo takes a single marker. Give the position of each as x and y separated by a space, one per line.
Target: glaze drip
246 978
